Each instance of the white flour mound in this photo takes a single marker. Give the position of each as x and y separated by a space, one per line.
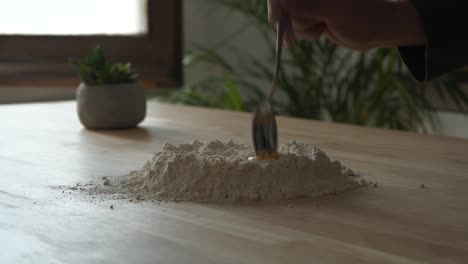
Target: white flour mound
215 171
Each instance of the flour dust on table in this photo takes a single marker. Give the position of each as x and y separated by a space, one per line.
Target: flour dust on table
217 171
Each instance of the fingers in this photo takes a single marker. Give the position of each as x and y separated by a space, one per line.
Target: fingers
308 28
289 35
339 41
299 18
302 24
311 31
307 8
273 11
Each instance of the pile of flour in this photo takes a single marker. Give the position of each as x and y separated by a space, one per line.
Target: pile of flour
216 170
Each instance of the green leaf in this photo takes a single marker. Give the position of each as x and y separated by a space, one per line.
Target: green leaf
235 99
318 79
96 70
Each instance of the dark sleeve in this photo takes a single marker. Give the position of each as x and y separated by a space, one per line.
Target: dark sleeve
446 26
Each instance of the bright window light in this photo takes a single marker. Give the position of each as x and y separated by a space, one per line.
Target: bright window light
73 17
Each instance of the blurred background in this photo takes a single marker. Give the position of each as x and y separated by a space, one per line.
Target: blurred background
219 54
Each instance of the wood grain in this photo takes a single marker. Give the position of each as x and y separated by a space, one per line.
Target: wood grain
43 145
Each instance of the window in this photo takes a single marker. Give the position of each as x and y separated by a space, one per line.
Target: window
128 17
37 38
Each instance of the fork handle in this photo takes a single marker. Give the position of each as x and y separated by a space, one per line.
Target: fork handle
279 49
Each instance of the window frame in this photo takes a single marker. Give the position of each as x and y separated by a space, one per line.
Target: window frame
44 59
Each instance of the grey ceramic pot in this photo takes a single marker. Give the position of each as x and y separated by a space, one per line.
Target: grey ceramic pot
114 106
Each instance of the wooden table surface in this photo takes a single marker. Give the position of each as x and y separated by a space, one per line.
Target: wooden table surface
43 145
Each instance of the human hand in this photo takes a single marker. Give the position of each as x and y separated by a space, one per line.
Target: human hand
360 25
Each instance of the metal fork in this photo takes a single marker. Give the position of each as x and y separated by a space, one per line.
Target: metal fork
264 129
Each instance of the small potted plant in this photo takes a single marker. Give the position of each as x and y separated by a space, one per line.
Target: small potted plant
109 96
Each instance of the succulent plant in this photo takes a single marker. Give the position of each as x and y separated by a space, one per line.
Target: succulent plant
96 70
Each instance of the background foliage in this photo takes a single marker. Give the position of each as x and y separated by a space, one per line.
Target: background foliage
319 80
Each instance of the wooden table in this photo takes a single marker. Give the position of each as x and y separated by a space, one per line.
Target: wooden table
43 145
